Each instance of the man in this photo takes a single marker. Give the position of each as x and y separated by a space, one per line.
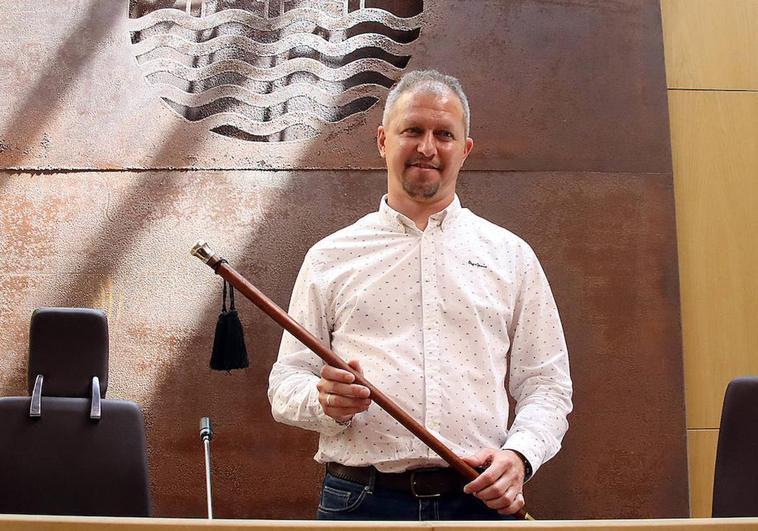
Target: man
426 299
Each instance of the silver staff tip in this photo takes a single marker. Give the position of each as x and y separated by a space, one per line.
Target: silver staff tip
202 251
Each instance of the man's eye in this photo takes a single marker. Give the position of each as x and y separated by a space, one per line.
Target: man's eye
445 134
411 131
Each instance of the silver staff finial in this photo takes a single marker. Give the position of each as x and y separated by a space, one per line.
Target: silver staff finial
202 251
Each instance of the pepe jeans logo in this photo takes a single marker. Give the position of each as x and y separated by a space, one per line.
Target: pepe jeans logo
273 70
476 265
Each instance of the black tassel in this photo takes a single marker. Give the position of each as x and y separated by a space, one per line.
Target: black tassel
229 343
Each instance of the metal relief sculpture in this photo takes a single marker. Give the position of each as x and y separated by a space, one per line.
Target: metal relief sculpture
273 70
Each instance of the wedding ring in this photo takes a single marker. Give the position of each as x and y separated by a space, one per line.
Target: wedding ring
329 399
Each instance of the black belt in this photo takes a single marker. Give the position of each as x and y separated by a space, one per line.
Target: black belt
421 482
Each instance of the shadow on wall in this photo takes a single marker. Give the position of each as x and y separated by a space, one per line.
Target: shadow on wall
62 72
40 104
261 469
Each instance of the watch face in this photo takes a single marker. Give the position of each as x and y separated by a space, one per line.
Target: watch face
273 70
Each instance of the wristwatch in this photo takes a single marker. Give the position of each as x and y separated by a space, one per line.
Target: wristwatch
345 423
527 464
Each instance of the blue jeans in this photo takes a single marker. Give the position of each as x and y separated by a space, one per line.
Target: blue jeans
346 500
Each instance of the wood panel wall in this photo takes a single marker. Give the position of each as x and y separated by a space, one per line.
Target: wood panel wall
712 79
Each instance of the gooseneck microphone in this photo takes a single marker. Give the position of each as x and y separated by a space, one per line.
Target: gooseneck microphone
206 434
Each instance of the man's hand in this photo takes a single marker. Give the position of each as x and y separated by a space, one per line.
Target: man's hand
500 485
339 396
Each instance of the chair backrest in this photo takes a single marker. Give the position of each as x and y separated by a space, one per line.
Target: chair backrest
72 453
68 346
735 485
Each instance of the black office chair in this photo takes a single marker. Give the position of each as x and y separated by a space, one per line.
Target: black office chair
735 484
67 450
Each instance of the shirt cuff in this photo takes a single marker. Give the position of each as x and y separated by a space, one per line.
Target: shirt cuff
329 426
522 444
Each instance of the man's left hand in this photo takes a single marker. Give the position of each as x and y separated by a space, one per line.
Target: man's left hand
500 485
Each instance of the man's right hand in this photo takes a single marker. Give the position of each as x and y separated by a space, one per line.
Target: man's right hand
339 396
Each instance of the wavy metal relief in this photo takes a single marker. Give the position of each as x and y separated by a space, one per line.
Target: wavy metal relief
273 70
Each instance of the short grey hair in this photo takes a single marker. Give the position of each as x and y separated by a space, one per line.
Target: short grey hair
430 80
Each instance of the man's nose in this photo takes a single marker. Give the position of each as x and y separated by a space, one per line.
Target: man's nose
426 145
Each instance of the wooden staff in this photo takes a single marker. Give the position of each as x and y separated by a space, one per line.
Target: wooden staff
204 253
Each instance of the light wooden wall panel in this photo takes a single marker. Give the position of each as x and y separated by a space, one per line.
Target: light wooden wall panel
710 53
715 154
711 43
701 447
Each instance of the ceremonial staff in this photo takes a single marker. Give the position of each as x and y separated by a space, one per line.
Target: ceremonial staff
222 268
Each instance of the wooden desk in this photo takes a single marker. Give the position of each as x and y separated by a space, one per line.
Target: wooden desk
70 523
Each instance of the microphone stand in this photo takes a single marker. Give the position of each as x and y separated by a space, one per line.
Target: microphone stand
206 434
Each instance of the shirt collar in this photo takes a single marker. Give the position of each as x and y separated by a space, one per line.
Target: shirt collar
402 222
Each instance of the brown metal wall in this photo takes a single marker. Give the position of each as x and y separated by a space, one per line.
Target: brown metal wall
570 124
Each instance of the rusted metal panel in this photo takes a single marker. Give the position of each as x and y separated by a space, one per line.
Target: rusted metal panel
555 85
606 242
120 242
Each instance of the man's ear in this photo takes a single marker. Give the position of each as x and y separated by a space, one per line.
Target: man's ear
380 139
467 149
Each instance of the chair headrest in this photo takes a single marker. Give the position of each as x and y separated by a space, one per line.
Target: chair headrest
68 346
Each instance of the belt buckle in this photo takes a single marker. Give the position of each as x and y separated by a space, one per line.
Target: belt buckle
413 487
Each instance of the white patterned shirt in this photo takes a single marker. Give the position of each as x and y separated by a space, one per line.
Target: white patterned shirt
431 316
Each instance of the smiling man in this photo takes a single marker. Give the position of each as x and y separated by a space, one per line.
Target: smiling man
437 306
424 140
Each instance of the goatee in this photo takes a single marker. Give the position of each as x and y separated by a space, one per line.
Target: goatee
416 190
